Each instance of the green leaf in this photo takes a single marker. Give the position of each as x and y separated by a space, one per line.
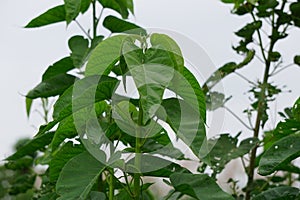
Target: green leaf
215 100
280 153
162 41
116 25
85 4
218 152
97 196
67 128
296 110
267 4
53 15
60 67
184 82
19 164
72 8
123 113
104 56
198 91
185 122
275 56
295 10
80 50
92 89
279 193
282 130
78 177
242 7
152 72
297 60
162 145
45 128
52 87
96 40
198 186
155 166
228 1
225 70
61 157
248 30
120 6
32 146
28 106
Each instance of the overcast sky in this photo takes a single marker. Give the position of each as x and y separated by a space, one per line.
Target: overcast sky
26 53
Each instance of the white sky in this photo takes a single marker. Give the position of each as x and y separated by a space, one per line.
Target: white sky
26 53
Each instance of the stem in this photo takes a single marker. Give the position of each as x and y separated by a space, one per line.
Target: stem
111 185
246 79
128 184
261 107
290 179
237 117
100 15
260 40
280 70
94 19
82 29
137 161
45 109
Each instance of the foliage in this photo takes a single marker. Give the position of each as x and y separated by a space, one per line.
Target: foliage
97 133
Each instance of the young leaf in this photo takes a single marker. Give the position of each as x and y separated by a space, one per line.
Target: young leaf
78 177
60 67
280 192
280 153
104 55
80 50
52 87
168 44
72 8
152 72
28 106
116 25
53 15
198 186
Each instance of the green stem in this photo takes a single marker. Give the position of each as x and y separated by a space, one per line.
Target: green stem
94 19
45 109
137 161
261 107
82 29
237 117
111 185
